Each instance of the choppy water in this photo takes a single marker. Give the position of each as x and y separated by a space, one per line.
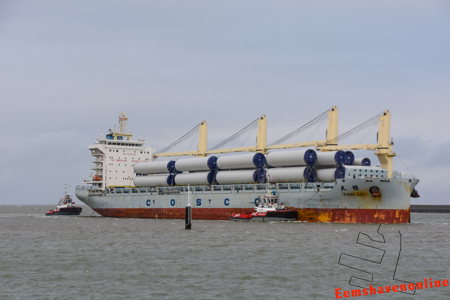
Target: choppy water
91 257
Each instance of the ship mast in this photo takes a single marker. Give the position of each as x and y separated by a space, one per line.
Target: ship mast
123 122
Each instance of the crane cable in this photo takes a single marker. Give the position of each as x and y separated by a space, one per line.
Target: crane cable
236 135
367 124
181 139
311 123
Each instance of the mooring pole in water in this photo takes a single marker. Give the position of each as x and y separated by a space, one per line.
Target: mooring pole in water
188 210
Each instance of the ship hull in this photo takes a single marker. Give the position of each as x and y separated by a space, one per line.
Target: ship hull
69 211
344 201
304 215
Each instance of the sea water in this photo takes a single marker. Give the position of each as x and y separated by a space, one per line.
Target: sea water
92 257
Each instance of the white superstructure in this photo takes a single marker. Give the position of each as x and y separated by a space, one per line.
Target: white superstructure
115 157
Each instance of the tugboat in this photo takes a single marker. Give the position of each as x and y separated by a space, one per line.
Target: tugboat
268 210
65 206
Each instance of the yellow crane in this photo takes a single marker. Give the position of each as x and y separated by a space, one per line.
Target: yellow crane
383 148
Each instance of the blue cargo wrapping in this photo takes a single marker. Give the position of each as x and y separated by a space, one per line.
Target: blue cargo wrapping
310 173
171 166
212 162
349 158
171 180
340 172
212 177
365 162
310 156
340 157
260 175
259 160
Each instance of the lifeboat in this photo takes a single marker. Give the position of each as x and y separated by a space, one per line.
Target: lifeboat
97 178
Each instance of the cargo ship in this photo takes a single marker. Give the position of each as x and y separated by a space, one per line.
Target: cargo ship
321 180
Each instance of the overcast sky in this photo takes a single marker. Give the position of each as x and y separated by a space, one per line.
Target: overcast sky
68 68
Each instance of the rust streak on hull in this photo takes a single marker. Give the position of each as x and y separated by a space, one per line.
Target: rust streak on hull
307 215
354 215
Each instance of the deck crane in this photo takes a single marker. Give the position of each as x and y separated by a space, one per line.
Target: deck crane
383 148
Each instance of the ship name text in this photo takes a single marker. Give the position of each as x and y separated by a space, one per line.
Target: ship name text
353 194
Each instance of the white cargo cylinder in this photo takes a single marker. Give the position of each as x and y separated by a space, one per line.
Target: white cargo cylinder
325 175
243 161
291 158
157 180
335 158
154 167
193 178
361 162
196 164
293 174
330 174
240 176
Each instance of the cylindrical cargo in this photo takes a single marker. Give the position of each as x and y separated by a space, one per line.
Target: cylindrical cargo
204 178
291 158
158 180
243 161
154 167
292 174
334 158
362 162
241 176
328 175
349 158
196 164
